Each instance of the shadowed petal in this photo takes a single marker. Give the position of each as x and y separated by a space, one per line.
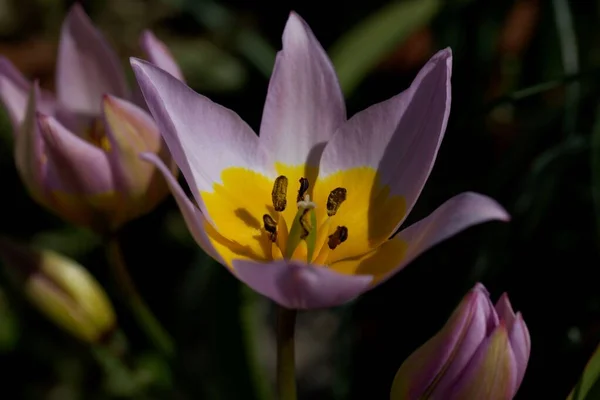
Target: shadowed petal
193 218
304 104
399 137
521 346
159 54
75 166
30 157
491 373
87 67
458 213
296 285
203 137
14 89
130 131
505 311
434 366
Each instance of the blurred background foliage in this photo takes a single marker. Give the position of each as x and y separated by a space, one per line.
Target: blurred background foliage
524 128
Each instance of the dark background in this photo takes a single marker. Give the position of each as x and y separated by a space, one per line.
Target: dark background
536 151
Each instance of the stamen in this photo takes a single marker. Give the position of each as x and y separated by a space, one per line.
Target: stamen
279 193
97 135
335 200
304 184
305 223
270 227
338 237
306 203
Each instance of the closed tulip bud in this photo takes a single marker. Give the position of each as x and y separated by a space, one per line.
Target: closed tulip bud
78 152
61 289
481 353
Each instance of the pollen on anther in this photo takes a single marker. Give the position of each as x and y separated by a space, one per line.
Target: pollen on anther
338 237
279 193
304 184
335 199
271 227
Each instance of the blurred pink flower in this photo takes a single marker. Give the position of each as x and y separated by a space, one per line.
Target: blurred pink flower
481 353
77 151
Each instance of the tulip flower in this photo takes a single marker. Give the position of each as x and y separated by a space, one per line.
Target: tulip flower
305 213
77 152
481 353
61 289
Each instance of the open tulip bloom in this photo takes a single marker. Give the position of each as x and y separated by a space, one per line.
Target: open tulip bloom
481 353
77 152
305 213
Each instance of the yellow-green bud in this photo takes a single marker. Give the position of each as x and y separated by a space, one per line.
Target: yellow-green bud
62 289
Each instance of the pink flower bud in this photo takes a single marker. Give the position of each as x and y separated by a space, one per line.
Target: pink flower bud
481 353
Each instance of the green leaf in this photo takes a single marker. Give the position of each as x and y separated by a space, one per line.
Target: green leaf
69 240
364 46
9 325
595 166
207 67
588 387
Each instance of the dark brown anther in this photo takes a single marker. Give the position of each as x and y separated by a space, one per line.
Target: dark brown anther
305 223
335 200
270 227
303 189
338 237
279 193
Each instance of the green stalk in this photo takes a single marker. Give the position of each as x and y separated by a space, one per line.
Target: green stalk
153 329
286 363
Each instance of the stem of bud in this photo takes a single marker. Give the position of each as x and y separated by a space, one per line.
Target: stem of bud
156 333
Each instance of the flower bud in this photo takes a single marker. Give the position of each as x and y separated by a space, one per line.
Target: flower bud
481 353
61 289
78 151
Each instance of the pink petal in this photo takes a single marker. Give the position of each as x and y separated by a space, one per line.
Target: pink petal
159 54
87 66
203 137
14 90
505 311
304 104
74 165
460 212
521 346
490 374
467 341
193 218
296 285
399 137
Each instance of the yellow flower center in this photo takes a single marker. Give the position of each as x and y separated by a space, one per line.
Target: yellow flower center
343 216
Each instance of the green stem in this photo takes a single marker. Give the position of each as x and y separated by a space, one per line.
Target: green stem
249 324
286 363
156 333
539 88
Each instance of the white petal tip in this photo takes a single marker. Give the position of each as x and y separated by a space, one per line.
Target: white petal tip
147 40
147 35
136 62
149 157
296 30
76 10
487 206
479 287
